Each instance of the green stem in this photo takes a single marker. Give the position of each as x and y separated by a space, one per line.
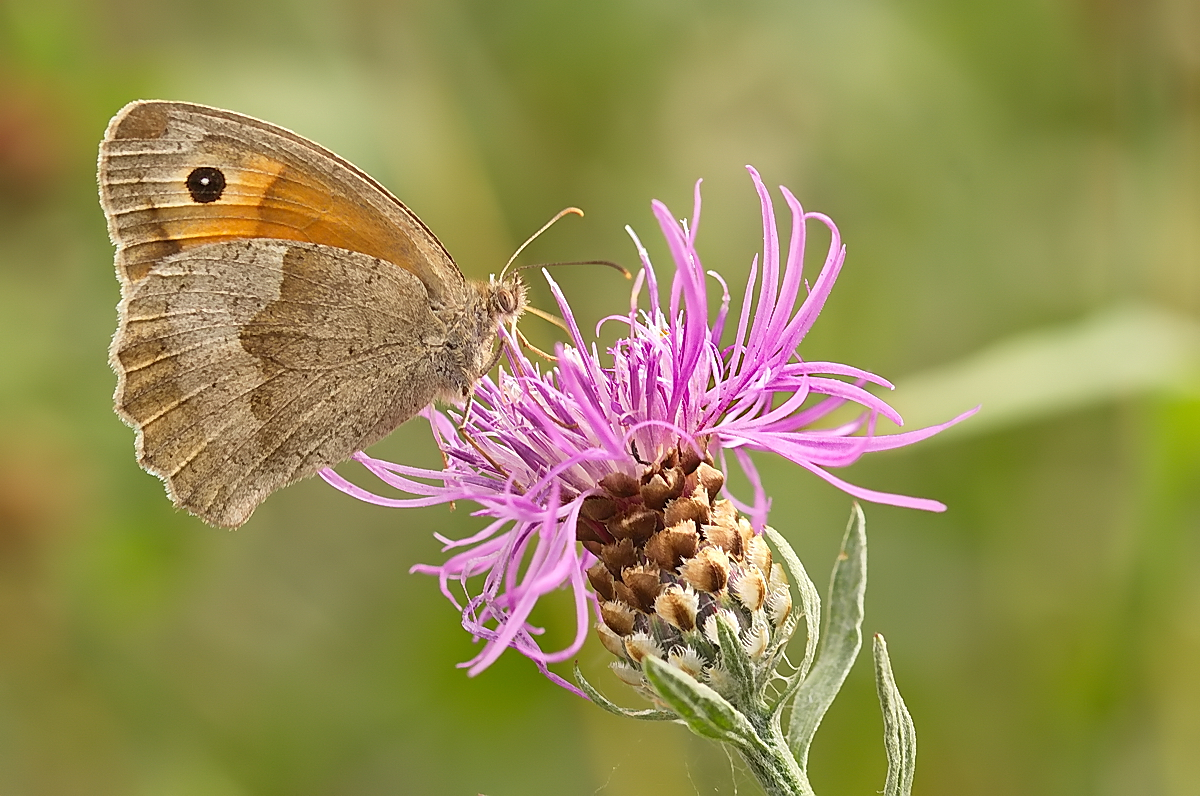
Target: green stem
772 763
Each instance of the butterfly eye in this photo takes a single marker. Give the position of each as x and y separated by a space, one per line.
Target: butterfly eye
506 302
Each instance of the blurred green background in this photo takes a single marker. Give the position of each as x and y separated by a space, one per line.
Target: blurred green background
1018 183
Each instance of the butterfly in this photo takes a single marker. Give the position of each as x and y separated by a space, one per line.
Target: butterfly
280 309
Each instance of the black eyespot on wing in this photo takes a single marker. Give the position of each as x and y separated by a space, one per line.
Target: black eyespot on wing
206 184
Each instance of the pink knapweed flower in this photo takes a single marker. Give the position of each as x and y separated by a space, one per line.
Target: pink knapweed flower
532 447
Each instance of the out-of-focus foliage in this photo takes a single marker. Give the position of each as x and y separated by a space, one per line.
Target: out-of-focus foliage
1010 177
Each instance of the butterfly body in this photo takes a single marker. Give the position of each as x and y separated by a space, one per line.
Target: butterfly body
280 310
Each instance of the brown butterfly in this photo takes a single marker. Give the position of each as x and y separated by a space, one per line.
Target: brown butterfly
280 310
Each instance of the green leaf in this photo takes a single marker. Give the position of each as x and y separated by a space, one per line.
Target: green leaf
603 701
843 638
899 734
706 712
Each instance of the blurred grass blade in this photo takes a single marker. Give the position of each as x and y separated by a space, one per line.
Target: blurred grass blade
899 734
843 638
1044 372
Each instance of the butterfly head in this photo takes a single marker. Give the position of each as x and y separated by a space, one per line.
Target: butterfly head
506 299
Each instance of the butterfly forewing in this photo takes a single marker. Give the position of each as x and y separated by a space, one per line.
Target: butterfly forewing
175 175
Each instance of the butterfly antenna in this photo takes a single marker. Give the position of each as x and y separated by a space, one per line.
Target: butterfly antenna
534 236
609 263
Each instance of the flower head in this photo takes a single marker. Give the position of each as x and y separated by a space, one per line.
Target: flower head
603 472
